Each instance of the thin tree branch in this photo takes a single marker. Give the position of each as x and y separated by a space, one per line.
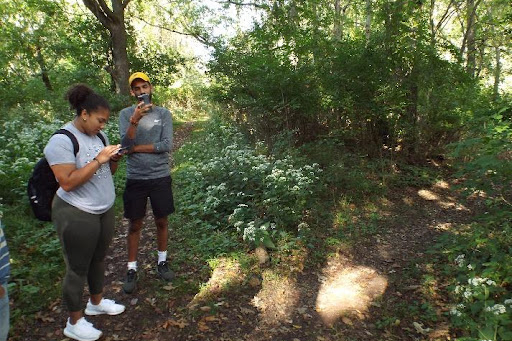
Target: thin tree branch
440 28
238 3
200 38
445 16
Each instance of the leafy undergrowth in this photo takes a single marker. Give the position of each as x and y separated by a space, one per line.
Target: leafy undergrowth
360 271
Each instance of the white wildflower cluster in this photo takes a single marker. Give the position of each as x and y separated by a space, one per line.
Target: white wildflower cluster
302 226
479 297
239 215
475 286
467 294
292 181
479 281
497 309
460 260
211 203
27 143
213 193
254 232
260 168
455 312
250 232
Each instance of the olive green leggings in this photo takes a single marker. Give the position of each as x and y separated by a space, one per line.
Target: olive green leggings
85 239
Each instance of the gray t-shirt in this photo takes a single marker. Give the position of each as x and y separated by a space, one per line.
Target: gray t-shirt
95 196
155 128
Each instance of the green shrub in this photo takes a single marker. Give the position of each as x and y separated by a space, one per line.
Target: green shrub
484 156
480 254
238 188
480 265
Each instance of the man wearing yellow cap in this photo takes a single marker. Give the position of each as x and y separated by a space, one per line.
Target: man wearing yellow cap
146 131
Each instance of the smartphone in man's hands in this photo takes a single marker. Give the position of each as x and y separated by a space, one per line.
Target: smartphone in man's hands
122 151
144 98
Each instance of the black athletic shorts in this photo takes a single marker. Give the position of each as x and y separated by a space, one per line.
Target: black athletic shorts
136 195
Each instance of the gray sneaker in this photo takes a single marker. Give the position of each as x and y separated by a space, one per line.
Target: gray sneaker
130 283
163 271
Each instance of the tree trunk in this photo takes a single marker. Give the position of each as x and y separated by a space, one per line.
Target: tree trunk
121 71
113 21
412 139
431 23
337 20
368 24
44 69
470 37
497 73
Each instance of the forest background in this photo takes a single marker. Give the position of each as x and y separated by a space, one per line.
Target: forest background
304 111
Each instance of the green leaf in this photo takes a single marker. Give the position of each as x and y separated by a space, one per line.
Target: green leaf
505 335
268 243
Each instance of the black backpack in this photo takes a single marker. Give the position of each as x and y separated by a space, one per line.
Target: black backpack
42 185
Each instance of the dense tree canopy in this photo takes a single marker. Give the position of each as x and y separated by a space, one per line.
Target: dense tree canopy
399 73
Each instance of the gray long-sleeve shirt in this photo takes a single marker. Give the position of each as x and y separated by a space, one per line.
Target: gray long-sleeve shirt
155 128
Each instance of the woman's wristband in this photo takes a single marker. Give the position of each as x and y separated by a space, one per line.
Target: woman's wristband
95 159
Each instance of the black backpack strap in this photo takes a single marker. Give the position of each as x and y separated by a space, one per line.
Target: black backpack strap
102 138
71 136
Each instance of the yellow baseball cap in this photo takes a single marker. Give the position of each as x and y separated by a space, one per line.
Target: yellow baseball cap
138 75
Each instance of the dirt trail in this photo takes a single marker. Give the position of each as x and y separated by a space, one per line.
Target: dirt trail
343 299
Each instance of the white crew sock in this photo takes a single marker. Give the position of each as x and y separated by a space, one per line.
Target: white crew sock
162 256
132 265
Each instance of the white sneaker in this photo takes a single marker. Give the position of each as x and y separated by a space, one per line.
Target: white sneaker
82 331
106 306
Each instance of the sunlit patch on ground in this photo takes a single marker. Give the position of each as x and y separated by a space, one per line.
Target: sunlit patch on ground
226 273
277 299
442 185
444 202
428 195
347 291
443 226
